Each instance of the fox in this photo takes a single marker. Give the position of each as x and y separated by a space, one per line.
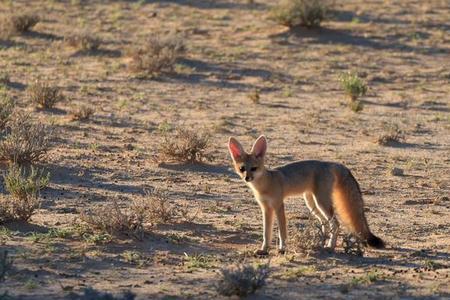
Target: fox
329 189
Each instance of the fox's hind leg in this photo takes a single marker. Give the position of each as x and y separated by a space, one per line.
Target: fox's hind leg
311 204
324 205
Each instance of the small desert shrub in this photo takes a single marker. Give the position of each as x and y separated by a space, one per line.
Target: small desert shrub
43 95
310 238
6 108
353 245
115 220
24 192
82 113
307 13
159 54
242 280
392 136
184 145
83 41
353 85
24 141
17 23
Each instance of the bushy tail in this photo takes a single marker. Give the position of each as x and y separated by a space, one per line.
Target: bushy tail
349 206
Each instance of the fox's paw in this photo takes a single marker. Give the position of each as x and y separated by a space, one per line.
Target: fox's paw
260 252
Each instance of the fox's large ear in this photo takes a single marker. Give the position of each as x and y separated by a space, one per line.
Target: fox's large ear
235 148
260 146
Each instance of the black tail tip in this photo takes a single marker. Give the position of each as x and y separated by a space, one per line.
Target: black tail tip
375 242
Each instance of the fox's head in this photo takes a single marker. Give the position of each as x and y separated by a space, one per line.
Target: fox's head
248 165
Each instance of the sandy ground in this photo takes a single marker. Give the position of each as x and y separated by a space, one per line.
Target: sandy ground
402 48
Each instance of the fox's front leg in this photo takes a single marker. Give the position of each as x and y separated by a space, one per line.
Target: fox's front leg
282 228
267 213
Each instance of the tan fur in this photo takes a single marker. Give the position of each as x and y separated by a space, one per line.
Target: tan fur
327 188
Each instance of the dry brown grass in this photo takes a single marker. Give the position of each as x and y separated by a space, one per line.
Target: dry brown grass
82 113
6 109
43 95
242 280
154 208
158 55
392 136
24 188
353 245
184 145
307 13
24 141
19 23
115 220
83 41
310 238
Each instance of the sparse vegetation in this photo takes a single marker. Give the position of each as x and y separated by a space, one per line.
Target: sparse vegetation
43 95
115 220
82 113
24 189
393 136
356 106
83 41
158 55
19 23
184 145
307 13
242 280
310 238
24 141
6 109
353 245
354 86
93 294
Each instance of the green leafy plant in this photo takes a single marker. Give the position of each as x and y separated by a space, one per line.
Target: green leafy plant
353 85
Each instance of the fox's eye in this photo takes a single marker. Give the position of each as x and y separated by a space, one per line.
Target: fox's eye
253 169
242 169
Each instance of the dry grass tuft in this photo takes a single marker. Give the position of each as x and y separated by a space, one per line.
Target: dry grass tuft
152 209
82 113
242 280
24 188
115 220
307 13
15 24
43 95
353 245
310 238
23 141
184 145
83 41
158 55
6 109
392 137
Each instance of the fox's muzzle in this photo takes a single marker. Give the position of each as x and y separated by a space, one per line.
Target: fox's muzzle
248 178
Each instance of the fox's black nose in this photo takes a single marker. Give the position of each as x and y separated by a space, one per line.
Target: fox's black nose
248 178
